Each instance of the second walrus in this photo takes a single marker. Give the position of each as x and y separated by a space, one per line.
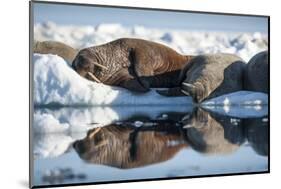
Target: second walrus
208 76
256 73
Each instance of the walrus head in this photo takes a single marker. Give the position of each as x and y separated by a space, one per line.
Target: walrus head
89 64
102 65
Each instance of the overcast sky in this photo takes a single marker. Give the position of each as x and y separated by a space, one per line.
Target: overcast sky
89 15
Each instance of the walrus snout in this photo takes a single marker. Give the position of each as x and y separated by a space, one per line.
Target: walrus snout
80 146
81 65
86 65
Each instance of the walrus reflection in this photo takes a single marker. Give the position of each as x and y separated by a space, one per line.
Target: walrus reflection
128 147
257 134
123 145
211 133
208 134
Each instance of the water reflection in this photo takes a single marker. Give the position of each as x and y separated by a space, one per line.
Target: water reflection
61 175
141 141
257 134
125 146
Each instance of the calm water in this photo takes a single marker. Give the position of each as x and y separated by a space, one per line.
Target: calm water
147 142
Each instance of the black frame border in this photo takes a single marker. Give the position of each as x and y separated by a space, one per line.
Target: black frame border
31 105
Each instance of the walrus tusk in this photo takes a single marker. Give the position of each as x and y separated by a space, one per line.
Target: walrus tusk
94 77
101 66
184 92
188 85
94 132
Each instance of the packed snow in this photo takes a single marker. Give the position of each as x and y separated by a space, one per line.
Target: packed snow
188 42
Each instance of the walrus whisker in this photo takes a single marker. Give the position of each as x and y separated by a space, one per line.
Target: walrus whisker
94 77
101 66
105 142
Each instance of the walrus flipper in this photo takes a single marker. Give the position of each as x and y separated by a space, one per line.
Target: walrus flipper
136 84
186 89
57 48
176 91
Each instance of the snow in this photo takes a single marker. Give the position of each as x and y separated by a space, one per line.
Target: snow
189 42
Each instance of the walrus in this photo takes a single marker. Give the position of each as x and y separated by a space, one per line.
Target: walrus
135 64
208 76
256 73
58 48
125 146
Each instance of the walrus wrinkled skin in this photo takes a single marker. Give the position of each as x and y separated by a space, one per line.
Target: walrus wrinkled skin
134 64
209 76
256 73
